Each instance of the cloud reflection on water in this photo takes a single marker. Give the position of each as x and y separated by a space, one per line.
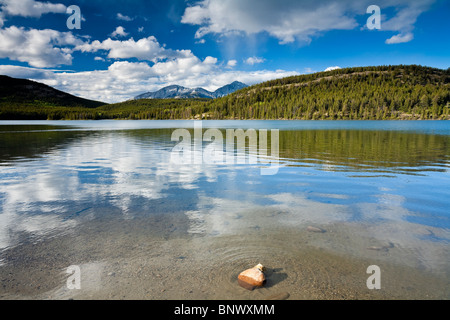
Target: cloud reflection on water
130 169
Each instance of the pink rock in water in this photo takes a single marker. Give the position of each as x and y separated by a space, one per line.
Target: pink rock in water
314 229
252 278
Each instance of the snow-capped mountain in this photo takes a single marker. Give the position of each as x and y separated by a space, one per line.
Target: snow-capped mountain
179 92
229 89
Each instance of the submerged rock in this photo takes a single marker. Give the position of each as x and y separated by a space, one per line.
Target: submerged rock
375 248
315 229
279 296
382 248
252 278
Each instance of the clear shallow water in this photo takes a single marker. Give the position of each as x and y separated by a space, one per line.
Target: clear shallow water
106 196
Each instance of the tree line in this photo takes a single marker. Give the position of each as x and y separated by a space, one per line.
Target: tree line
368 93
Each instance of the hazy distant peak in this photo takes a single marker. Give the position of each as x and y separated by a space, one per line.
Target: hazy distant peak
179 92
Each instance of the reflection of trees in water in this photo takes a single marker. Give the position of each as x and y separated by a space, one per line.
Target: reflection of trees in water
365 149
32 141
358 149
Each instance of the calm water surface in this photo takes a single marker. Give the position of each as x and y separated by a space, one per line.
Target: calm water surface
105 196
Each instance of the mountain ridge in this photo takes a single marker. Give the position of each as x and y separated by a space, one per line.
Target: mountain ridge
180 92
24 91
405 92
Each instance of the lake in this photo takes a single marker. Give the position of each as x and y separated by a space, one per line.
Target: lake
107 198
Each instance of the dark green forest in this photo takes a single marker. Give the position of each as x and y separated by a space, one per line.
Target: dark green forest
368 93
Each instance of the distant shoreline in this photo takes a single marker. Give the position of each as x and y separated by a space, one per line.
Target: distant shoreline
362 93
316 120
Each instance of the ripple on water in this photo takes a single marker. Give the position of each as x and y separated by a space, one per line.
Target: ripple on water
289 268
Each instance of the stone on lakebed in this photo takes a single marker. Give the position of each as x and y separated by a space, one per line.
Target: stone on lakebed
315 229
252 278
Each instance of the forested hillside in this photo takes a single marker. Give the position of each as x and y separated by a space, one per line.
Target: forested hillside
384 92
391 92
26 99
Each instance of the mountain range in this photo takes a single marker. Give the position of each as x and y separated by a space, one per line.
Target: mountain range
179 92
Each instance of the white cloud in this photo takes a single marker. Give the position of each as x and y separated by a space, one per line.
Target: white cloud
25 73
123 17
254 60
144 49
400 38
124 80
141 29
404 20
130 71
294 20
39 48
30 8
332 68
210 60
50 48
119 32
406 15
184 70
288 21
309 70
231 63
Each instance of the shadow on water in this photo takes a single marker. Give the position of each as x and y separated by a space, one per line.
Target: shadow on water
275 276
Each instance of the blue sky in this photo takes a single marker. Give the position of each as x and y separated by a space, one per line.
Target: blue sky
125 48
